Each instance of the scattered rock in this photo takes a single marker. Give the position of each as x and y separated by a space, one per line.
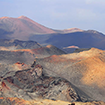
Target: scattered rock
32 84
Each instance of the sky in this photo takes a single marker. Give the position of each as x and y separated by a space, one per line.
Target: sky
59 14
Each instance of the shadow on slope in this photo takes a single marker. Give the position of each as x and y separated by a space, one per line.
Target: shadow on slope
85 39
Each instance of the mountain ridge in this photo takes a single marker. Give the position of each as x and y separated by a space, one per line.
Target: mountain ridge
22 25
25 26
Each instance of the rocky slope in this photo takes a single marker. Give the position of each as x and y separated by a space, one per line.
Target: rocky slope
77 78
33 84
12 51
27 56
85 70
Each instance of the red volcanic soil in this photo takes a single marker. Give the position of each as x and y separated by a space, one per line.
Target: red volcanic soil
20 66
4 86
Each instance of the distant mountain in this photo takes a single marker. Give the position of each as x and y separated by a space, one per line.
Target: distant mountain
26 29
70 30
4 33
13 44
84 39
22 27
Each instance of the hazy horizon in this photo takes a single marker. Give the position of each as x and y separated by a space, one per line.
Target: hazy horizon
58 14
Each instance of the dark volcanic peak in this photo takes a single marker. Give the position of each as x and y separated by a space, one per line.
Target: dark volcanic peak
94 32
84 39
18 44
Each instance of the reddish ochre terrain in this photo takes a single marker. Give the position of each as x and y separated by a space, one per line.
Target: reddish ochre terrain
85 70
76 77
12 54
